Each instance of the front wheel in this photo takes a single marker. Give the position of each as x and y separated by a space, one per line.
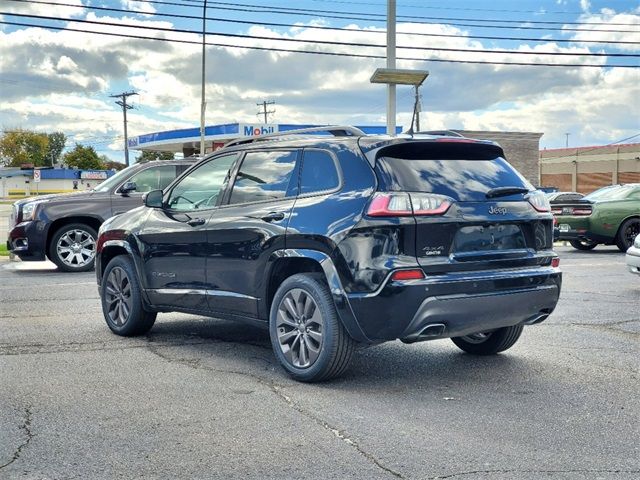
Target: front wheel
307 337
627 234
121 296
73 247
583 244
489 343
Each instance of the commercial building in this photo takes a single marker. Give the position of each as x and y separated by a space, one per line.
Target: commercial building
586 169
18 183
521 148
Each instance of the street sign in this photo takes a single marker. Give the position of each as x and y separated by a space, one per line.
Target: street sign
36 176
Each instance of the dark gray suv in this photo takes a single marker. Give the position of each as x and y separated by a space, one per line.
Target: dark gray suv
64 227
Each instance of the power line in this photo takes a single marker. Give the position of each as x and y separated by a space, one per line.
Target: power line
323 42
382 17
468 9
369 17
319 27
313 52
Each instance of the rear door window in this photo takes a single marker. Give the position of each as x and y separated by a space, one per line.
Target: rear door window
464 174
265 175
319 172
154 178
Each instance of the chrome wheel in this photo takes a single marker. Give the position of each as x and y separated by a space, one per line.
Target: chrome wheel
300 328
76 248
118 296
476 338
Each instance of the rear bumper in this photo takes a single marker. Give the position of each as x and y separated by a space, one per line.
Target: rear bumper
457 304
27 241
633 260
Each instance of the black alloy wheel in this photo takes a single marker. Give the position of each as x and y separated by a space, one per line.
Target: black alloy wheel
627 233
489 343
122 304
307 336
583 244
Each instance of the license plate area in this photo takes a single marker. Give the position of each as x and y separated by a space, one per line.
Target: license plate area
564 228
482 238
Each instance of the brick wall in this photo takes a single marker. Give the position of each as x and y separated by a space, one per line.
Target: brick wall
522 149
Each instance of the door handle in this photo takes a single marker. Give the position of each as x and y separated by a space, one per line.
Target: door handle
194 222
273 216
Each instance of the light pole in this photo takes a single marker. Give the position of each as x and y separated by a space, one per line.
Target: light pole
391 64
203 104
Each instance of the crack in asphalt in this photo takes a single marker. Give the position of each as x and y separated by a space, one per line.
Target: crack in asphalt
43 348
516 471
278 391
26 426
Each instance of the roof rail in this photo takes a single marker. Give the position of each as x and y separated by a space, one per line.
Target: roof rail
443 133
335 130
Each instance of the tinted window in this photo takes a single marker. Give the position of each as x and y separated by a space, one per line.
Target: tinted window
154 178
264 176
200 188
463 180
318 172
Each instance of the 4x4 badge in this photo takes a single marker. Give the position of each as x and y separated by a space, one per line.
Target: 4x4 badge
497 210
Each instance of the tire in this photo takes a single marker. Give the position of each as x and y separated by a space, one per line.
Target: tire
489 343
583 245
121 298
627 233
73 247
303 304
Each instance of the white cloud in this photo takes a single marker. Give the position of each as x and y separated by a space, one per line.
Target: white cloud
585 5
62 80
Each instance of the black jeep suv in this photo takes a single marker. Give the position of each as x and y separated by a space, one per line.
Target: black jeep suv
331 242
63 227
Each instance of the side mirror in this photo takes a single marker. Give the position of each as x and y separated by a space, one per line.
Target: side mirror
153 199
128 187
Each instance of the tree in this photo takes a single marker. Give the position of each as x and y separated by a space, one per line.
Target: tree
147 155
84 158
23 146
108 164
57 141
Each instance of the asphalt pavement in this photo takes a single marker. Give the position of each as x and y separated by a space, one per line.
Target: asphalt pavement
204 398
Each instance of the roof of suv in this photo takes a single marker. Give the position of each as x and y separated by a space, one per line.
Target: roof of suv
370 145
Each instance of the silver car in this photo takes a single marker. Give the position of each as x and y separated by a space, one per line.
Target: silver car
633 256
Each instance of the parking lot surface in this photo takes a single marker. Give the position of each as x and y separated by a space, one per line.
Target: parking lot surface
204 398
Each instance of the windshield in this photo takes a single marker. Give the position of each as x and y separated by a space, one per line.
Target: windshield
111 182
619 193
601 192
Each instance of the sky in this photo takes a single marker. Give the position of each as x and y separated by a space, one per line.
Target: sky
61 79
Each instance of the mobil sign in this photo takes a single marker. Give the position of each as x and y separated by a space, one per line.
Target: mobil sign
248 130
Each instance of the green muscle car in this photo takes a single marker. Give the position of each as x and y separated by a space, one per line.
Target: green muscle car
609 216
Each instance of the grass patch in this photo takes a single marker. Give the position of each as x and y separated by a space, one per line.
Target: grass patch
3 250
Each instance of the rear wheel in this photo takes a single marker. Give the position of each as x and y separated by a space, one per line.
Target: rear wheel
307 337
121 296
73 247
627 233
489 343
583 244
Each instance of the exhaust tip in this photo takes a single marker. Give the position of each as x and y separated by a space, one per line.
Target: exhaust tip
429 332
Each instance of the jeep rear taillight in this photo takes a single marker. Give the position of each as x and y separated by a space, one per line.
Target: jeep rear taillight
539 201
401 204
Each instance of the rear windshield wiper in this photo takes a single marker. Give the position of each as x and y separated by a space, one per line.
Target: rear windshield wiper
504 191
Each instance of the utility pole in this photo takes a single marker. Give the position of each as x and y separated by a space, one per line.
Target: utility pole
123 103
203 104
567 142
264 111
418 108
